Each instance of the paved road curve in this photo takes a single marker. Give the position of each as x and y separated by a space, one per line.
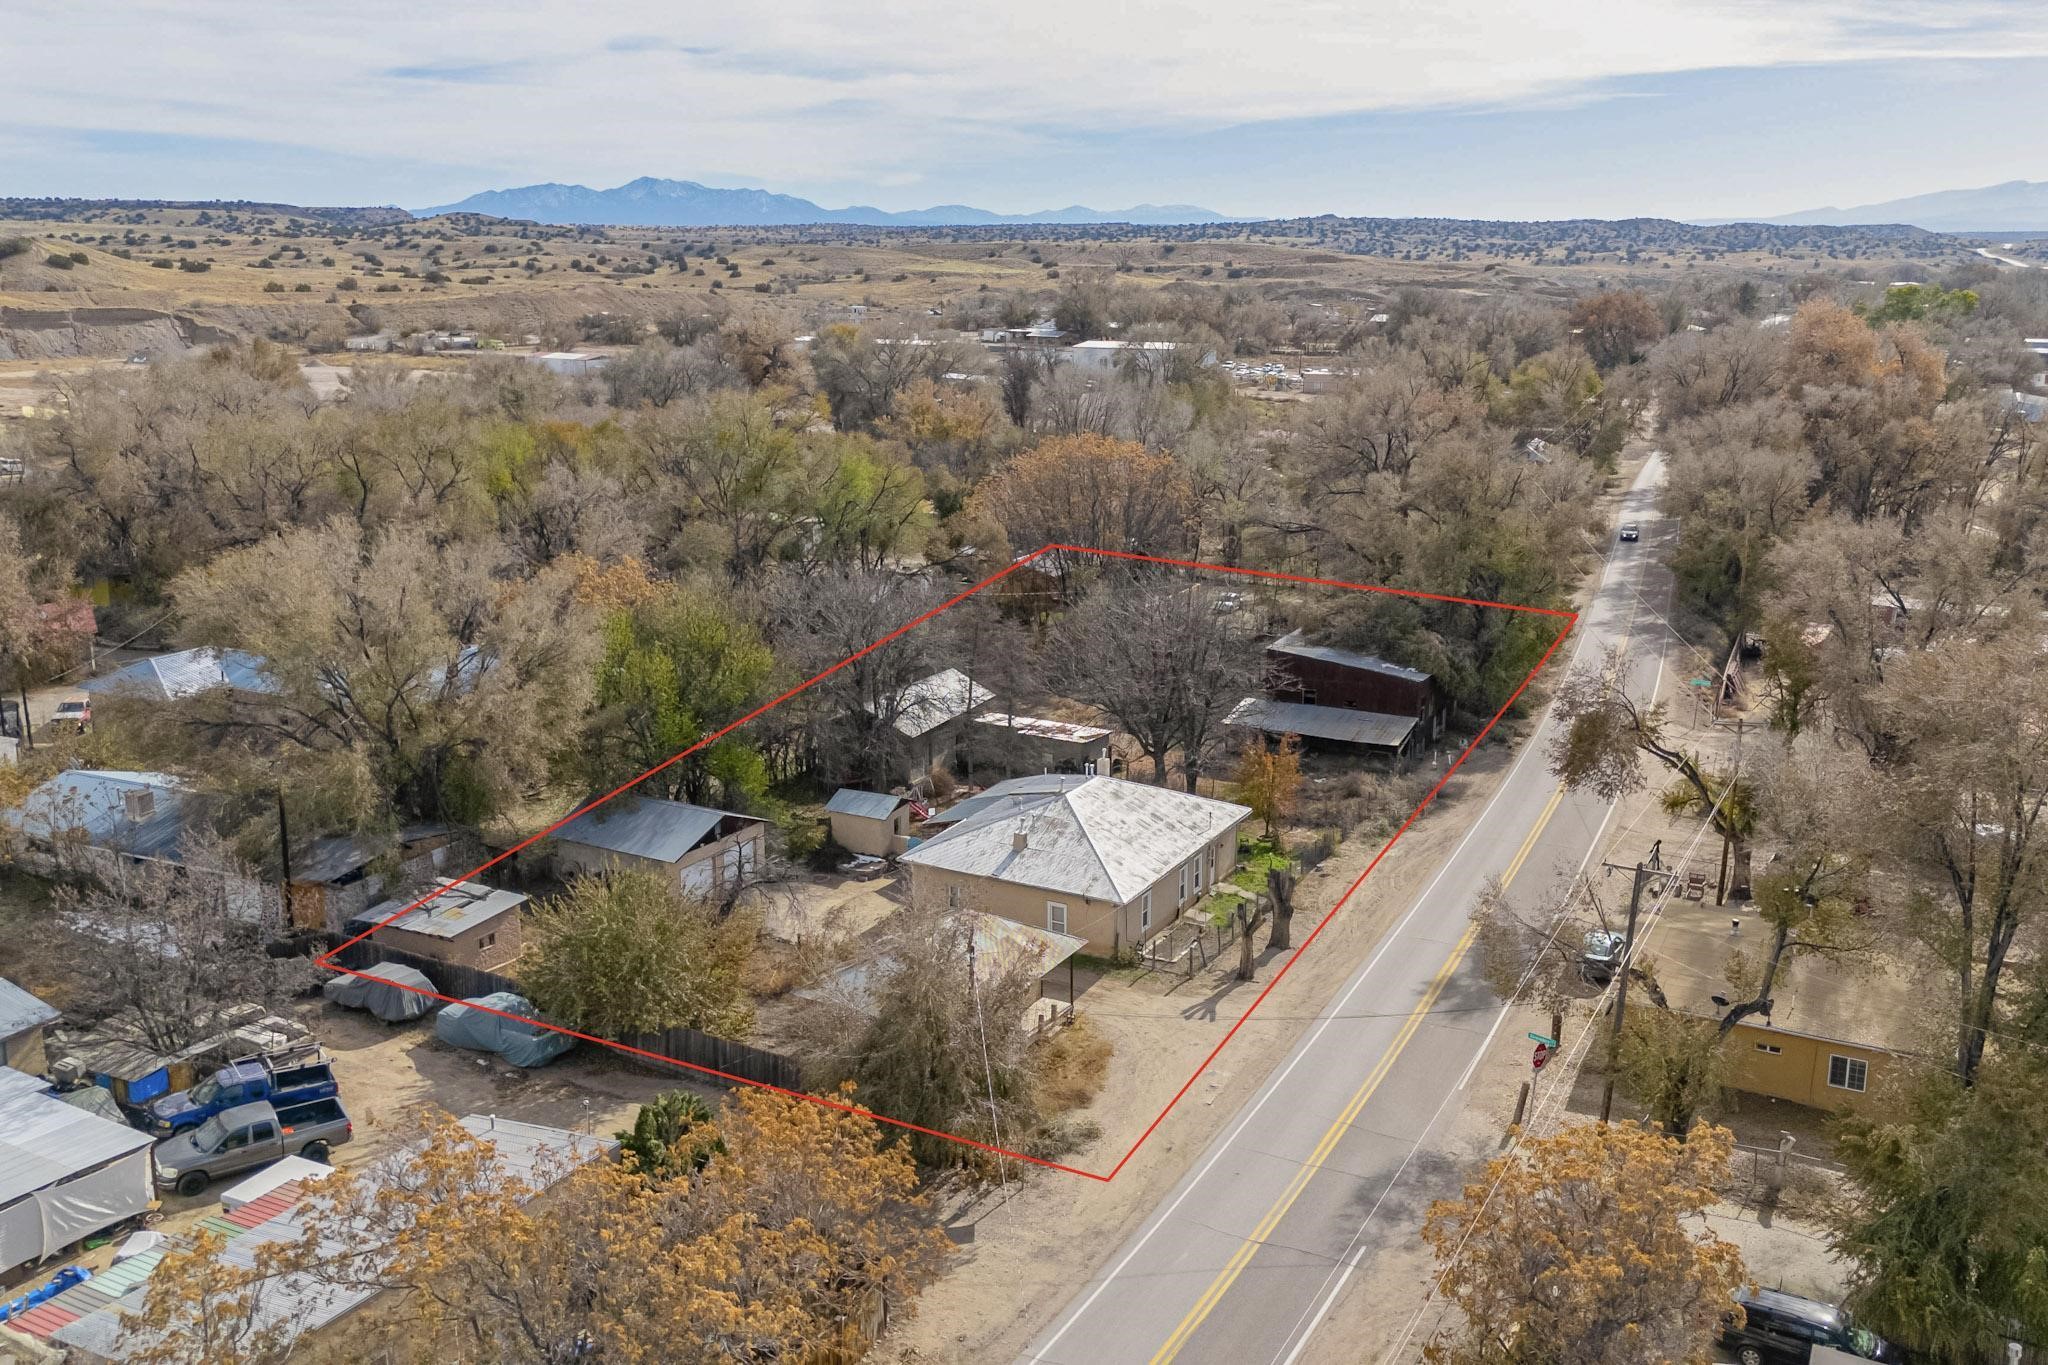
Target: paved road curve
1330 1160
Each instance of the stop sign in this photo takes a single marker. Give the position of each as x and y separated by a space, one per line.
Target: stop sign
1541 1055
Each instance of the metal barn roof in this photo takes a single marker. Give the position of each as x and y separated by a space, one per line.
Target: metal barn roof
1296 644
1340 724
1104 837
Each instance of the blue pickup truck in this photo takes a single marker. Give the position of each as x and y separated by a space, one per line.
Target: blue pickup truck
281 1083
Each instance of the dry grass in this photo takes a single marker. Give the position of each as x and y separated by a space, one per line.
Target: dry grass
1071 1068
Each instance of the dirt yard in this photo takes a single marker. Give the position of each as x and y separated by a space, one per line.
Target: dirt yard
1016 1270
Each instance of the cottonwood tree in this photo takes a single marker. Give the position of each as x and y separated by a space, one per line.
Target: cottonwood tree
1582 1247
1604 735
1269 781
1091 492
628 953
1673 1064
677 665
422 675
1153 653
1617 325
861 375
735 462
1960 812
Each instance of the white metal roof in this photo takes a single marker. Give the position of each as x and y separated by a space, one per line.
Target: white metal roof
867 805
44 1140
928 703
1104 837
1040 728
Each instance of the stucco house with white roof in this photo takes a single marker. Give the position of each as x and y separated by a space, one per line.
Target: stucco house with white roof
1108 861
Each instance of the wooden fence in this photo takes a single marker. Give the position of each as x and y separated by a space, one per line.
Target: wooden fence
677 1044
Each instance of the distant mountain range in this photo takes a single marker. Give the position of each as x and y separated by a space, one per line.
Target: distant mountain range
651 202
2015 206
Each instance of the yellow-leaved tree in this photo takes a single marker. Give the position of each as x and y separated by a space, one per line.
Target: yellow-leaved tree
1579 1248
796 1239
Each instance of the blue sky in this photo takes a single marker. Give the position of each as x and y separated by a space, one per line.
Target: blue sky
1468 108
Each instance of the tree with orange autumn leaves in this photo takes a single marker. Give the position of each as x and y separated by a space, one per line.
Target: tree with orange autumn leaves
800 1233
1578 1248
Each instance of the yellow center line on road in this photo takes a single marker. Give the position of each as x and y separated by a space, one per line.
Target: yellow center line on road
1242 1257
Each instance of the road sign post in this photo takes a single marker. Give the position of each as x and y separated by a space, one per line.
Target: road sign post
1540 1056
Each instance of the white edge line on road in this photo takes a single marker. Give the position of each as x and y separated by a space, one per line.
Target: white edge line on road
1352 1258
1043 1355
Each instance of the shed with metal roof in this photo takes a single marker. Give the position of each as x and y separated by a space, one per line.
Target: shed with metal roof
22 1021
874 823
705 852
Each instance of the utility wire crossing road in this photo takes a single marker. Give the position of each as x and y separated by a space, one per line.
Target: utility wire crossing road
1329 1161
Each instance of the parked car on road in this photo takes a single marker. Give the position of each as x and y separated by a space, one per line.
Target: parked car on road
74 714
1631 531
247 1136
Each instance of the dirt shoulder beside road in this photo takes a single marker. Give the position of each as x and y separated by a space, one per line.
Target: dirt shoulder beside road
1035 1242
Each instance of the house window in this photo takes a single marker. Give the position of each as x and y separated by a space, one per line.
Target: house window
1198 874
956 896
1145 913
1182 897
1847 1073
487 940
1056 917
1771 1048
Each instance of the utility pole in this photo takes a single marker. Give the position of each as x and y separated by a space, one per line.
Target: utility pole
1643 873
284 860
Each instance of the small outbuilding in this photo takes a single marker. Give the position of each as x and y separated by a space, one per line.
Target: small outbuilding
874 823
704 852
465 924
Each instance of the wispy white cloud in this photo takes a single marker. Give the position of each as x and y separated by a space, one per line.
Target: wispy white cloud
826 92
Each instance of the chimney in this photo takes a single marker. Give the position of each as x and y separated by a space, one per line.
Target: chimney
1018 841
138 803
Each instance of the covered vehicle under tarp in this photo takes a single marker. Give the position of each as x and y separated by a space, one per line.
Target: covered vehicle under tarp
387 990
519 1042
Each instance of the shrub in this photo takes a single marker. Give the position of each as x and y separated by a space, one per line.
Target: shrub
14 246
302 289
193 267
348 284
272 287
58 262
164 263
80 258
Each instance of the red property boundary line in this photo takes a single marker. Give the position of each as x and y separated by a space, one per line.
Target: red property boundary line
1570 619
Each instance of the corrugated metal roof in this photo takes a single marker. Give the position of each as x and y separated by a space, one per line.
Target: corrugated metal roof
20 1011
1338 723
1104 838
1040 728
44 1140
457 907
1297 644
535 1154
95 801
325 860
644 826
866 805
172 677
928 703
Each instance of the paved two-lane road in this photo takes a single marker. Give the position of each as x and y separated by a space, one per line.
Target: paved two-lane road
1330 1160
